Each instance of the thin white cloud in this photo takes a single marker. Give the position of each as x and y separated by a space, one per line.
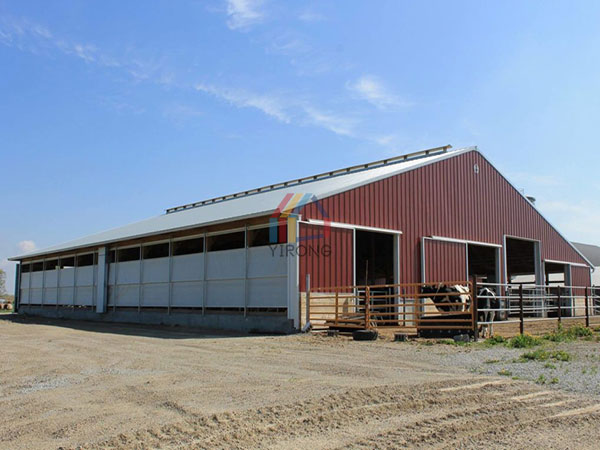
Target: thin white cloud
311 16
335 123
244 13
26 246
372 90
579 220
268 104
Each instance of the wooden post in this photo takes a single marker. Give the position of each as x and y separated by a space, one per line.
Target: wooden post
521 315
367 307
587 307
474 312
307 299
558 301
337 301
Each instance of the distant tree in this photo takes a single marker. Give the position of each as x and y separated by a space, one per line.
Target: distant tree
2 282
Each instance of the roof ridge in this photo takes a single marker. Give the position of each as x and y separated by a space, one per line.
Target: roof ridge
320 176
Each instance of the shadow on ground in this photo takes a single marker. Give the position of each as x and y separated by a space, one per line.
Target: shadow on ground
152 331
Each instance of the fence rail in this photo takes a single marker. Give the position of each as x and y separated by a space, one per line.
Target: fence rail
460 306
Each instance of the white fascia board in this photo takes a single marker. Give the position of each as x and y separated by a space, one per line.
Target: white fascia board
350 226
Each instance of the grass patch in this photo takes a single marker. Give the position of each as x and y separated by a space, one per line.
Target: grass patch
505 373
524 341
554 380
549 365
568 334
544 355
495 340
541 379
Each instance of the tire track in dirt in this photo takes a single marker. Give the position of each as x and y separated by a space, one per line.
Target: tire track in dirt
384 416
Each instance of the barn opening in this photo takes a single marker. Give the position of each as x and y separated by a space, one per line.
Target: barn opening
483 263
522 258
374 258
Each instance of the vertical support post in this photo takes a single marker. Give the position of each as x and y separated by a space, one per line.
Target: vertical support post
102 282
587 307
246 293
474 312
367 308
170 276
521 314
559 304
307 306
17 300
337 302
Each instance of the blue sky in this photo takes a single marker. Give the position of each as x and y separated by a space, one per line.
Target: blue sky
113 111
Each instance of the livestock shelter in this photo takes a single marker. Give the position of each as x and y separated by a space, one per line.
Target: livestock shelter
240 261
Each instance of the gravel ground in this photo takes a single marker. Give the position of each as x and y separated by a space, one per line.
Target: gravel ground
81 385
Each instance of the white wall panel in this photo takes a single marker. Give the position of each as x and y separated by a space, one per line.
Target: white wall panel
85 276
226 264
110 295
85 296
129 272
262 263
37 279
67 277
24 296
112 270
188 294
51 279
128 295
267 293
66 295
50 296
25 280
36 296
225 293
188 267
156 270
155 295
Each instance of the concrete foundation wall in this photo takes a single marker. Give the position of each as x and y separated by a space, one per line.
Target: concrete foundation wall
253 322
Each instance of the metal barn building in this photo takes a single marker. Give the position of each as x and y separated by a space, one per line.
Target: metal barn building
240 261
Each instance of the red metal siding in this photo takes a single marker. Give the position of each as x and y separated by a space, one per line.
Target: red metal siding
580 276
445 199
334 269
454 256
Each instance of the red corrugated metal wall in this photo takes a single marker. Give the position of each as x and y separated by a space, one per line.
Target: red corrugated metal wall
329 259
454 256
580 276
449 199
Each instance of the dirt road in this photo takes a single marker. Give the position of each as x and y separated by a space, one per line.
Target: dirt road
102 386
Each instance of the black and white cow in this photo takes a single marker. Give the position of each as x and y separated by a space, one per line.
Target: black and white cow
456 299
486 301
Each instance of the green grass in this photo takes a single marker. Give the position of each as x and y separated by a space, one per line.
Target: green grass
505 373
544 355
495 340
541 379
523 341
549 365
554 380
568 334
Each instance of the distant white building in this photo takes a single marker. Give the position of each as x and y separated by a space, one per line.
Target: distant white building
592 253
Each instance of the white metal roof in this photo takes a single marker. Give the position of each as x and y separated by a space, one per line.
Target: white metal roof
254 204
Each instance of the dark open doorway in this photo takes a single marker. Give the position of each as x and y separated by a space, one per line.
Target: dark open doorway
522 261
483 263
374 261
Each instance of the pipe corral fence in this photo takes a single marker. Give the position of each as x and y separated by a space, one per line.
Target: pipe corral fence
448 308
